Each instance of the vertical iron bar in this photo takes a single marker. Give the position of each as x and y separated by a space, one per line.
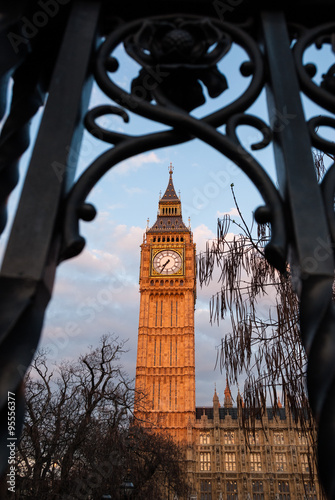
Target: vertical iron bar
292 147
31 256
56 151
312 254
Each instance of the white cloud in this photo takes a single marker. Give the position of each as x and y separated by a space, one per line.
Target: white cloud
201 234
136 162
233 213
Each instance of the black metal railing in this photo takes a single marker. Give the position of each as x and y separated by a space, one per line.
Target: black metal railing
50 52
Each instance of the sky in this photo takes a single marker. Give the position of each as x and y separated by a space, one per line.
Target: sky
98 291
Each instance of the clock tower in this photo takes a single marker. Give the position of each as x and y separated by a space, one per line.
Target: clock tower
165 370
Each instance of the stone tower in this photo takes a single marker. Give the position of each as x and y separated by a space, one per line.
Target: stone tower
165 370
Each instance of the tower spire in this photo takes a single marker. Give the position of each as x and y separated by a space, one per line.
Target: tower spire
169 217
228 400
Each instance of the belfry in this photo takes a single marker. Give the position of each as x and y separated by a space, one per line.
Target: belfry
165 371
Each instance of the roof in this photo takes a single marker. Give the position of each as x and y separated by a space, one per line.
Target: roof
233 412
170 193
171 222
167 224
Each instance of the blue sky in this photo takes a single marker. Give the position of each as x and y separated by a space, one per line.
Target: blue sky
97 292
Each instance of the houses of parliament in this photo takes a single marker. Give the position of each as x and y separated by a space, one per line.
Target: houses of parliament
273 463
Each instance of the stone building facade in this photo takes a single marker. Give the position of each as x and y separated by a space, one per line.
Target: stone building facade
227 463
223 461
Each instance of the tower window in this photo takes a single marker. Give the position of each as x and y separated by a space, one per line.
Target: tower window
206 490
177 239
205 461
161 313
152 282
278 437
230 462
172 239
163 239
169 222
154 238
229 437
159 240
153 395
181 239
155 352
257 490
231 487
284 490
255 462
204 437
170 400
281 464
161 222
160 352
168 238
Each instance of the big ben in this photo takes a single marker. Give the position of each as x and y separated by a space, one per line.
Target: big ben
165 371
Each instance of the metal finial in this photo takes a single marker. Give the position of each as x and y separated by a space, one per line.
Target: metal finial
160 195
171 169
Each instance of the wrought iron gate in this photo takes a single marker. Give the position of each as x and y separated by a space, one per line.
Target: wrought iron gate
54 49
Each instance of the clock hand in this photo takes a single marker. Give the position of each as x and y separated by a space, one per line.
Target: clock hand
165 265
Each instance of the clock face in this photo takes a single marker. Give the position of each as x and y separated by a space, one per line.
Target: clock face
167 262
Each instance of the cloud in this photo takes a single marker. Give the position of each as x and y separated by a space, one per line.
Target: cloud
136 162
233 213
201 234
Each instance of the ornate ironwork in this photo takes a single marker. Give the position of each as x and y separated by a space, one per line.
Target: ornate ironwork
185 127
176 52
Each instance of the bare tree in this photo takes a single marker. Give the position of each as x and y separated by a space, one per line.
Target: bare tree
79 438
264 344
